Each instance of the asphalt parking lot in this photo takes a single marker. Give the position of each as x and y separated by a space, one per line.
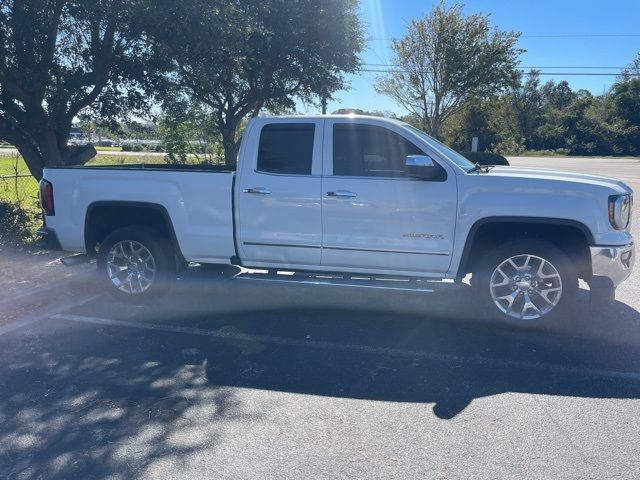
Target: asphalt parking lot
227 379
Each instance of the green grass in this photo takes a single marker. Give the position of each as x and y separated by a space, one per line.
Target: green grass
22 190
541 153
553 153
25 189
108 149
125 159
8 165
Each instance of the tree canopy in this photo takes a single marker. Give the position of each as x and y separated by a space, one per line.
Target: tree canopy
447 58
57 59
552 117
240 57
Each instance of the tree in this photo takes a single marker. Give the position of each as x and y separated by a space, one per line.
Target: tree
631 71
189 130
359 111
584 132
474 119
240 57
59 58
556 95
624 117
526 101
446 58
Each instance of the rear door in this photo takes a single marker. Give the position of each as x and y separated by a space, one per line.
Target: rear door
374 217
278 198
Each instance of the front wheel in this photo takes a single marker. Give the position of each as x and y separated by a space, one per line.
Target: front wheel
135 263
527 283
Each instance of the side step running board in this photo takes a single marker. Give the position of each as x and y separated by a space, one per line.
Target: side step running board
339 280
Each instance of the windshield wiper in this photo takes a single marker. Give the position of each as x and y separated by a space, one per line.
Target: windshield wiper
480 168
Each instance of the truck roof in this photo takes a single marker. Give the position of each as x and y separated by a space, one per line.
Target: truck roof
317 117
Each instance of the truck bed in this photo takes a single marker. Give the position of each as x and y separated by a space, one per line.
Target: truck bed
196 198
203 167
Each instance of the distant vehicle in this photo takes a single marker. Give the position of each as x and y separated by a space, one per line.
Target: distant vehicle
352 201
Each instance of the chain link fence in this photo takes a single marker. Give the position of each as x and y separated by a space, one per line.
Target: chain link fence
20 188
20 214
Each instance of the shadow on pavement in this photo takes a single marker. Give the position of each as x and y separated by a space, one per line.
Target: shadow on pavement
84 400
404 347
83 404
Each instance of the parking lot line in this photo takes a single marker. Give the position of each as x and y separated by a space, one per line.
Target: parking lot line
357 348
41 314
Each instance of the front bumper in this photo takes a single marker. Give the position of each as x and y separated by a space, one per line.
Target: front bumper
611 265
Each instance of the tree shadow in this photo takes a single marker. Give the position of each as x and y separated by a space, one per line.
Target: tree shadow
73 406
417 361
402 347
83 400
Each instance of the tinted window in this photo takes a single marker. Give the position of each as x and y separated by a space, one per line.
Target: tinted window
449 152
367 150
286 148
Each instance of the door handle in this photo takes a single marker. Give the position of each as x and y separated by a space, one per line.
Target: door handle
259 190
341 194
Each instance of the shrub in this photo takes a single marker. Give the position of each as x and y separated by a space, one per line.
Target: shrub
127 147
509 146
486 158
18 225
137 147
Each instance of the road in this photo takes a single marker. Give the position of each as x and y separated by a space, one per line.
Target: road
254 381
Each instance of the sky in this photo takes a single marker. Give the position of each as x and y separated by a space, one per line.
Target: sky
571 19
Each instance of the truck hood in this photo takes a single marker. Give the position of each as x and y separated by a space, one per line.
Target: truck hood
514 173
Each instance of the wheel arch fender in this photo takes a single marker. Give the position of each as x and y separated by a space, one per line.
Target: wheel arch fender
102 217
526 226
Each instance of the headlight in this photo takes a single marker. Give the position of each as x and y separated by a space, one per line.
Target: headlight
620 211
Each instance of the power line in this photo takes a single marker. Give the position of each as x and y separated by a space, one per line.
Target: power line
588 35
562 35
559 74
390 65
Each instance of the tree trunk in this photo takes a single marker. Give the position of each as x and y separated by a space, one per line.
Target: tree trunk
323 103
436 121
32 159
230 147
47 153
79 154
436 129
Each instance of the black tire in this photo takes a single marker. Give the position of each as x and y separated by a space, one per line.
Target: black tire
163 262
558 260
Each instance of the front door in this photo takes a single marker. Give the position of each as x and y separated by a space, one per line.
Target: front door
376 218
278 198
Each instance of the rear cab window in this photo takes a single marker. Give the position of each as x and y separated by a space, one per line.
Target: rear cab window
286 148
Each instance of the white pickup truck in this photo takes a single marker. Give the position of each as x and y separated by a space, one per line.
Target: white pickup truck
352 201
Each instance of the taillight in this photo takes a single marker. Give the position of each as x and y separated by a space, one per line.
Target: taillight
46 197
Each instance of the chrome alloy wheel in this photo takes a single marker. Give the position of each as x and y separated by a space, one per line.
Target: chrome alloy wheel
526 287
131 267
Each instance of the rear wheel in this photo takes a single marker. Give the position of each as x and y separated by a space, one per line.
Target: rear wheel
526 283
136 264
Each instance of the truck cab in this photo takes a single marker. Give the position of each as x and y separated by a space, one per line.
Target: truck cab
335 194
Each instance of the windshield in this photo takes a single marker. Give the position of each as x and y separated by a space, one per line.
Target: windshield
451 154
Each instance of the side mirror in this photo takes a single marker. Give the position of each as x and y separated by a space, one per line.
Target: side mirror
421 166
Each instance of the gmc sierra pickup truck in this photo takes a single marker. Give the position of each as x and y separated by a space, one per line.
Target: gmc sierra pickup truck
351 201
